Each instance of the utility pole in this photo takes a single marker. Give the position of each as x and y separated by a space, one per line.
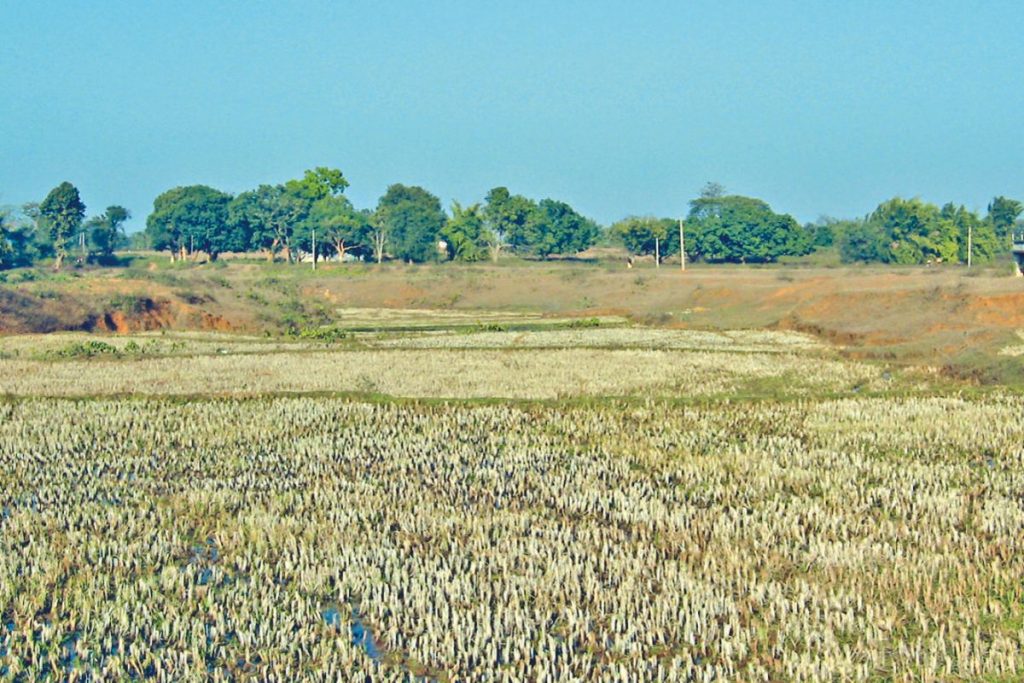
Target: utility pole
970 239
314 249
682 247
657 252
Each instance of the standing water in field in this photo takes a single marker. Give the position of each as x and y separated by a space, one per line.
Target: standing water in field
361 635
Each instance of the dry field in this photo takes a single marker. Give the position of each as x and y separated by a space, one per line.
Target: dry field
325 539
425 495
542 364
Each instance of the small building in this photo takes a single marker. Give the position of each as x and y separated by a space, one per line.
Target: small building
1018 254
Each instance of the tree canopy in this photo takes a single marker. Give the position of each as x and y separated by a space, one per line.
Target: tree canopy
62 212
646 235
465 234
413 219
740 229
912 231
409 224
268 216
1003 214
339 226
192 218
106 231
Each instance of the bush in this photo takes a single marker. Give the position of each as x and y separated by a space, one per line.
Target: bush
86 349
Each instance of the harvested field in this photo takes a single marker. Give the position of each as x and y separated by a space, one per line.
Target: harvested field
323 539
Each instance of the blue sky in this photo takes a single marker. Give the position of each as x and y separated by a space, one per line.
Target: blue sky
619 108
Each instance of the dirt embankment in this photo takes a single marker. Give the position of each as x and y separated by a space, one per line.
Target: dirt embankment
22 313
150 314
914 314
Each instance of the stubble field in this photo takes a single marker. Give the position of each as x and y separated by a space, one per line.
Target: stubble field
605 502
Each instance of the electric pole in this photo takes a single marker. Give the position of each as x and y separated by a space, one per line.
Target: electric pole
314 249
970 236
682 247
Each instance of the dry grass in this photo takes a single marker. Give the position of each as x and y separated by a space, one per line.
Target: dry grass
856 540
441 373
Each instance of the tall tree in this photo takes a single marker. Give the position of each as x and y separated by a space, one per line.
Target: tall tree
646 235
712 190
973 232
62 211
106 231
380 236
320 191
743 229
268 215
1003 214
466 234
565 230
339 225
513 221
192 218
496 220
318 183
915 231
6 245
18 237
413 219
862 241
41 232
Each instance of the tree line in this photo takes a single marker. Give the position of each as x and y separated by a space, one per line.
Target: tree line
408 223
722 228
57 228
293 219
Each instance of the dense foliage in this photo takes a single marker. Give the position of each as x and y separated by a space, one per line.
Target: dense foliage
291 220
412 219
62 212
903 231
187 219
743 229
57 228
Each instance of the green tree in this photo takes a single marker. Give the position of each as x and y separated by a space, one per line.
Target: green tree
106 231
915 232
1003 214
192 218
43 243
62 212
512 221
972 230
496 220
339 225
466 234
6 248
646 235
743 229
564 231
712 190
17 239
268 216
324 187
317 184
413 219
139 241
862 241
824 232
6 243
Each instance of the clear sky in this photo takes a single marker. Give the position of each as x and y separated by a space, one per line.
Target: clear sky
620 108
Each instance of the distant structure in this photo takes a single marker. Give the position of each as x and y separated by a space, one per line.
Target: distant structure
1018 254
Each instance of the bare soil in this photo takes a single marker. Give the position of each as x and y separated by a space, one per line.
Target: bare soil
938 316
